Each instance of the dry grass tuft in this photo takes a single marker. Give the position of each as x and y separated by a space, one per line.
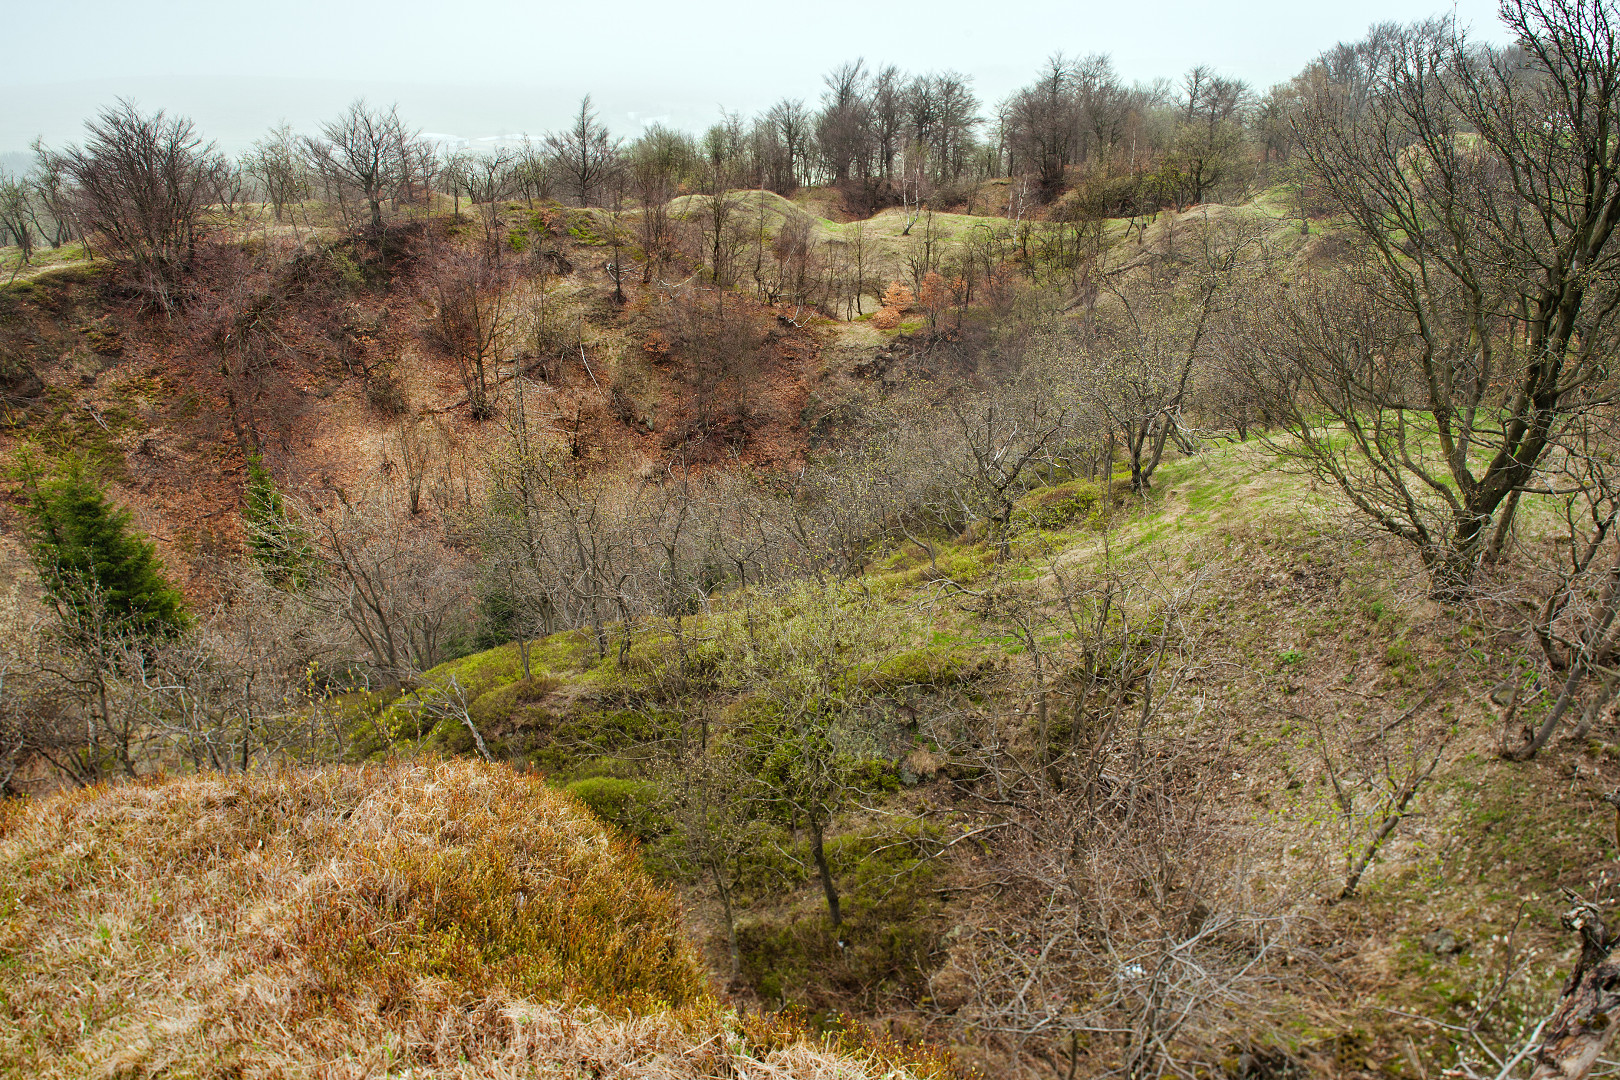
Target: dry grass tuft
455 919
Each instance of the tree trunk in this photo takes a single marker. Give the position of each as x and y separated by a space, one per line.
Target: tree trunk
1134 441
1504 525
820 856
1581 1027
724 890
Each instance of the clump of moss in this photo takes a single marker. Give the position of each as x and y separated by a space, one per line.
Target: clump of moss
1078 501
942 662
631 806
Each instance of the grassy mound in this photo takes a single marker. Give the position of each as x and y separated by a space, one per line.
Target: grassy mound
401 915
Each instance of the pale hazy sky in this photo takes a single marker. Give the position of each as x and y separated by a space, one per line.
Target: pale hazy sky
489 67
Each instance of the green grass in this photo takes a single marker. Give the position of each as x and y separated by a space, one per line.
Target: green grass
45 261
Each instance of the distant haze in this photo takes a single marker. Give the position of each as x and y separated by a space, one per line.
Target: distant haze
492 67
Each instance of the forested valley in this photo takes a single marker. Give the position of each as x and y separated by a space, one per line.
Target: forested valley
1117 581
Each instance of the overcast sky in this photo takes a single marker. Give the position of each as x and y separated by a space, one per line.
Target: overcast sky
490 67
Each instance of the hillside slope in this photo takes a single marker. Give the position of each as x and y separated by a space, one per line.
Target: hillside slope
318 353
1316 683
321 357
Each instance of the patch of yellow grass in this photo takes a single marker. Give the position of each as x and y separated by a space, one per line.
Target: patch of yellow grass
454 917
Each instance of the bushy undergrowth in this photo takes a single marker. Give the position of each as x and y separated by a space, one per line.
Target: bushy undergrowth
883 952
722 739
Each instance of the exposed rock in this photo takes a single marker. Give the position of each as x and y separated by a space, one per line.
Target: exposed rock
1443 942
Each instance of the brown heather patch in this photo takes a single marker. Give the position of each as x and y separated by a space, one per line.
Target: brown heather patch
329 922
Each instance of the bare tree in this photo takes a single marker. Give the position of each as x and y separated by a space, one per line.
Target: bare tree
585 154
395 584
141 185
717 357
18 217
660 160
1210 138
1003 436
858 255
452 175
843 124
418 449
54 194
1043 126
473 313
533 172
558 530
234 314
717 211
277 162
1144 360
368 152
790 125
489 180
1485 186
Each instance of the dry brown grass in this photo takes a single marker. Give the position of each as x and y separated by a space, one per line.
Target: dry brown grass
446 919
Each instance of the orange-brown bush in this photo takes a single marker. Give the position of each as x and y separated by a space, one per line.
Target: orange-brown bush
897 299
493 881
